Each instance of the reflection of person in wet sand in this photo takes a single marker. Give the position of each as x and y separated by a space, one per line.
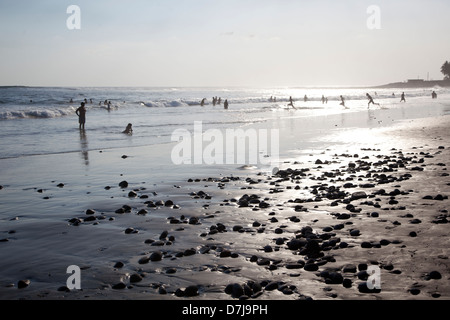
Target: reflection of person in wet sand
81 113
84 147
370 100
128 129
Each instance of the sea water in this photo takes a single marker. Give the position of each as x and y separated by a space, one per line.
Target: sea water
42 120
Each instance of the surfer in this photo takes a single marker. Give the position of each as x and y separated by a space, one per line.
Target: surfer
225 104
203 102
403 97
323 99
81 113
370 100
128 129
305 98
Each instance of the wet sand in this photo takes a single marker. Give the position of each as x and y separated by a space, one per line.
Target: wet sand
307 232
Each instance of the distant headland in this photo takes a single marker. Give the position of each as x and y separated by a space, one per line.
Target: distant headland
417 83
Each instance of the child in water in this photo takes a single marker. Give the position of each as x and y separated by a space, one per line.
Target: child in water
128 129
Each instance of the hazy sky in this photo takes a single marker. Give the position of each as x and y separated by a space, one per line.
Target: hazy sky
222 42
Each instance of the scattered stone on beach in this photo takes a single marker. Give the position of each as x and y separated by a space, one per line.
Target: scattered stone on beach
119 286
90 211
135 277
156 256
130 230
123 184
144 260
21 284
60 185
118 265
436 275
132 194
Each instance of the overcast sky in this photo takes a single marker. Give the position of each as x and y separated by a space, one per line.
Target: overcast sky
222 42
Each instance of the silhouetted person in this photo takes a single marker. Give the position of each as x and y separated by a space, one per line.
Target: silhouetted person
323 99
433 95
370 100
403 97
203 102
225 104
291 101
342 101
305 98
81 113
128 129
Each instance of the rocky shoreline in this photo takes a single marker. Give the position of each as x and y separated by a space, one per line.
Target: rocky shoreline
309 231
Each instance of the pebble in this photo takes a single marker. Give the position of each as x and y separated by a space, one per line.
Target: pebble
123 184
119 286
191 291
436 275
21 284
135 278
156 256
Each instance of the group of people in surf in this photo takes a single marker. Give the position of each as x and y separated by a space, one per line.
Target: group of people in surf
342 99
81 113
215 101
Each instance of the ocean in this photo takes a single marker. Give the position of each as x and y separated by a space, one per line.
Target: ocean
42 120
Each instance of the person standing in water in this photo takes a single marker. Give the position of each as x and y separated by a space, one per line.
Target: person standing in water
81 113
225 104
403 97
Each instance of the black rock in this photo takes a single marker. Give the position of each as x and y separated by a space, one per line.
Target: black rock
135 278
349 268
142 212
435 275
347 283
90 211
119 286
144 260
296 244
363 288
118 265
311 267
414 291
21 284
132 194
123 184
271 286
366 245
156 256
63 289
191 291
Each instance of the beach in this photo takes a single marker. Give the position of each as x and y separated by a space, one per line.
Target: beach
352 192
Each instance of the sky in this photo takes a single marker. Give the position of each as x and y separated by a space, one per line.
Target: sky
195 43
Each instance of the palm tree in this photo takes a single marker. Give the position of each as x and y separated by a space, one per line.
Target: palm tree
445 69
